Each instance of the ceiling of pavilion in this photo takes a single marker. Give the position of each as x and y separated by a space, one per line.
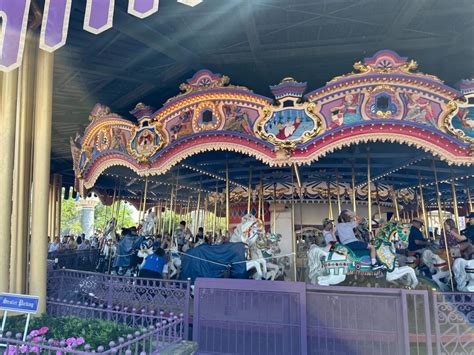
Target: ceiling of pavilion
256 44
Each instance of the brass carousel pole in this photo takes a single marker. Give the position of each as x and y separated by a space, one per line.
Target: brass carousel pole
369 194
171 209
422 202
227 202
262 193
293 234
205 220
469 200
455 199
249 193
198 207
158 216
338 193
215 214
330 215
354 204
440 218
259 212
274 208
145 196
187 212
395 204
379 210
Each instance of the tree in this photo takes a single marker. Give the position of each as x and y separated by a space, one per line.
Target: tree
70 217
122 210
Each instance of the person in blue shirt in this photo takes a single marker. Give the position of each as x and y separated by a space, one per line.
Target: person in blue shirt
154 264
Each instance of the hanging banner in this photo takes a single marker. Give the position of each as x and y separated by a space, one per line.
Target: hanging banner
14 15
99 15
55 24
143 8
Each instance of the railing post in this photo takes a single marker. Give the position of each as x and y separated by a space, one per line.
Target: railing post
406 330
436 322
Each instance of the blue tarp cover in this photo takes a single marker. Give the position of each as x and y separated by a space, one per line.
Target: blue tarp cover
125 248
227 253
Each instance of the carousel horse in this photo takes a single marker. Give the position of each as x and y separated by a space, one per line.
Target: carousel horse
330 265
174 261
276 266
463 271
438 268
148 225
111 226
249 231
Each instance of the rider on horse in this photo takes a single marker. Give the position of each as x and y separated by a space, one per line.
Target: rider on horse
345 232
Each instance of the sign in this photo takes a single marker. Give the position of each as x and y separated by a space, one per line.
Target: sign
18 303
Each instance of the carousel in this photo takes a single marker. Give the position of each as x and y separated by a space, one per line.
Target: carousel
259 174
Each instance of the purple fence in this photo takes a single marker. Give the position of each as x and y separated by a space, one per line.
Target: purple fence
343 320
151 340
123 298
249 317
86 260
454 322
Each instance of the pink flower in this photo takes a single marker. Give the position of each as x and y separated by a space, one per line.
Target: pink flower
11 350
34 333
80 341
43 330
70 341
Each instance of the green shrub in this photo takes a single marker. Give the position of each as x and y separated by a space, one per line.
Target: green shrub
95 332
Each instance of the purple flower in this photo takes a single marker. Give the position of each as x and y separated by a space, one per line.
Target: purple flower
71 341
34 333
80 341
43 330
11 350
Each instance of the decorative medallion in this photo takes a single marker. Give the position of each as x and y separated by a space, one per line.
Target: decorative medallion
289 123
148 138
206 117
460 119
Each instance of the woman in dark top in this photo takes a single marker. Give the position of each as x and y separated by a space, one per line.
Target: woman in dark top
455 239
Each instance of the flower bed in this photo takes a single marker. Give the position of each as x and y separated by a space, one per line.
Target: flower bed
94 332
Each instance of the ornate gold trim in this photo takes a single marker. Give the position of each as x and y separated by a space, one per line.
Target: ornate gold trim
269 111
453 109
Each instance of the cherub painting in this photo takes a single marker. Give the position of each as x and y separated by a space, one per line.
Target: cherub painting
419 110
236 119
119 142
348 112
183 126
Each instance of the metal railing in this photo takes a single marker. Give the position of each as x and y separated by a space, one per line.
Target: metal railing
116 297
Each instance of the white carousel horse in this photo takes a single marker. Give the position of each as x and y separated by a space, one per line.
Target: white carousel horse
438 268
248 232
276 266
329 267
148 225
174 262
109 233
464 274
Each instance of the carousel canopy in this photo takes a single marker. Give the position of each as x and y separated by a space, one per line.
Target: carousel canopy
385 120
258 44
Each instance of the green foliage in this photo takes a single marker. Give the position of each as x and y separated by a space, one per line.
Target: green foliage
95 332
121 209
70 217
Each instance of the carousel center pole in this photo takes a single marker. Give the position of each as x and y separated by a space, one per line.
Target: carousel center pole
440 218
423 209
369 194
455 200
